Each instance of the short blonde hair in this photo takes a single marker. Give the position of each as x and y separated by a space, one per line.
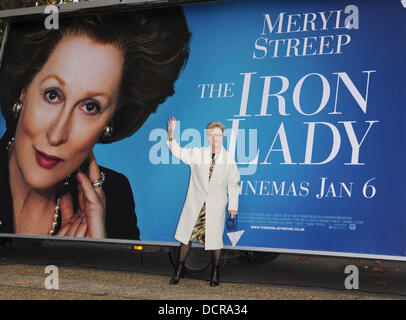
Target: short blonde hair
216 124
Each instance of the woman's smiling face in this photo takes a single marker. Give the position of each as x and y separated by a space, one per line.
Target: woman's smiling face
65 109
215 136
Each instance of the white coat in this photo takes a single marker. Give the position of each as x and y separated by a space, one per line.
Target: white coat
224 180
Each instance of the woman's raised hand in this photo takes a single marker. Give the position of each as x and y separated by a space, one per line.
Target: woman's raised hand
171 126
89 220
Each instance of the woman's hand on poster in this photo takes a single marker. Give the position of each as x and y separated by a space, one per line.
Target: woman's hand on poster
171 126
89 220
232 213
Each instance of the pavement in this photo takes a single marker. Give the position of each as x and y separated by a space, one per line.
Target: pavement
94 271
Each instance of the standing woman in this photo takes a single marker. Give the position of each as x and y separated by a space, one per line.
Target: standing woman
214 174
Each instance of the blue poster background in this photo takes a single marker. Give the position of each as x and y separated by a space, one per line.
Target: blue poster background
222 51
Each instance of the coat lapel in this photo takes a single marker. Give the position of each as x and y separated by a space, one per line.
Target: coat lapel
206 165
220 161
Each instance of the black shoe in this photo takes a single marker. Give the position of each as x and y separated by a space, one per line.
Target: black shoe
179 273
215 276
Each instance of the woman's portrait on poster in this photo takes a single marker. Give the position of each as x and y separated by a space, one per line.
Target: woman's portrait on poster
95 80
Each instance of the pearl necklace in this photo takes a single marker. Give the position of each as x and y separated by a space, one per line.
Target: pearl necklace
56 216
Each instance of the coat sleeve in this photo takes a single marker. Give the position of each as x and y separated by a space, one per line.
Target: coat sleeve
233 187
186 155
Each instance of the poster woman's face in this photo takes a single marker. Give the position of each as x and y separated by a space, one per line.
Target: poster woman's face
65 109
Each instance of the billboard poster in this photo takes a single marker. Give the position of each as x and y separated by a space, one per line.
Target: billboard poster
311 96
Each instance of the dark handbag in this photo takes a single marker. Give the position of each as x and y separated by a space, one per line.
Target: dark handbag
232 223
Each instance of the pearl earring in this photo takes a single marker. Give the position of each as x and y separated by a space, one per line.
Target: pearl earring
17 108
108 131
